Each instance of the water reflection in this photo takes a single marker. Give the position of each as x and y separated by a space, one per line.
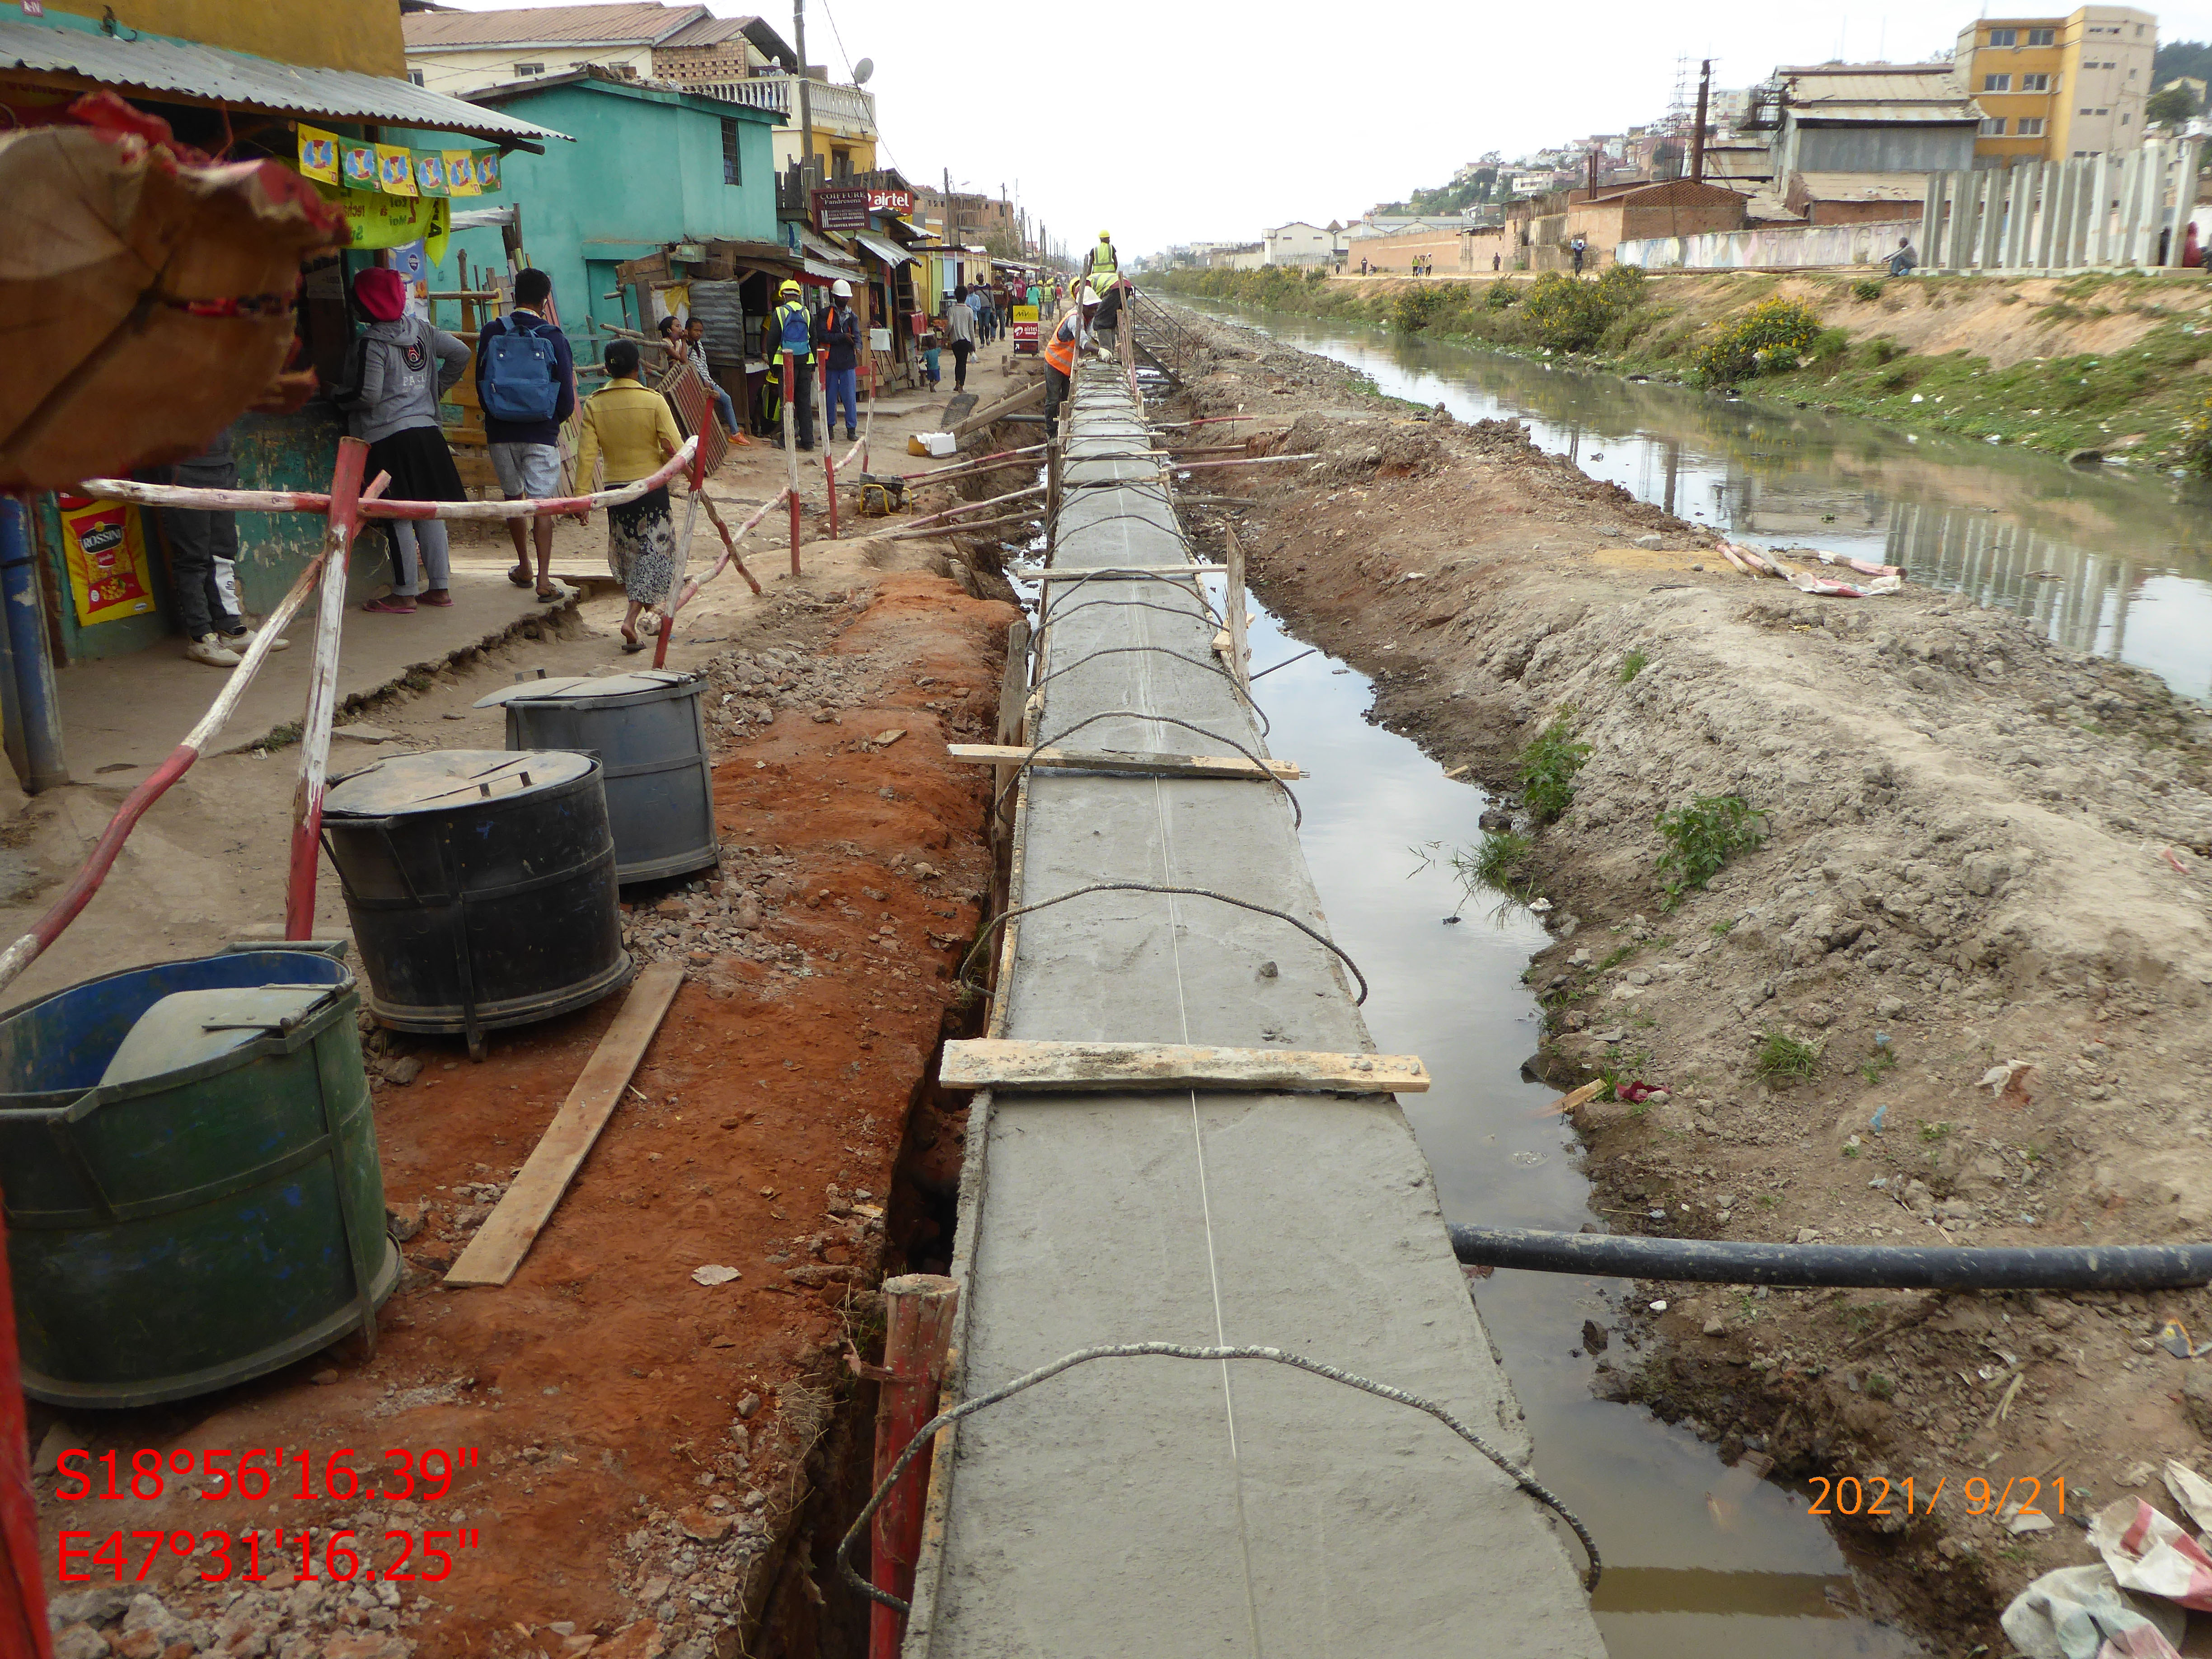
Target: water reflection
1702 1559
2112 564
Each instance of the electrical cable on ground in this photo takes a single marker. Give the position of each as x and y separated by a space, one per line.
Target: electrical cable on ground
1022 766
1004 916
1521 1478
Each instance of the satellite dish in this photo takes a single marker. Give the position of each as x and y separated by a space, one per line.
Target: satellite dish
862 70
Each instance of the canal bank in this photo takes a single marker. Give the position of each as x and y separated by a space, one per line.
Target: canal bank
1971 853
2103 362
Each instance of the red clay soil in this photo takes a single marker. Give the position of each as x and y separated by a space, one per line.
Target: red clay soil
604 1386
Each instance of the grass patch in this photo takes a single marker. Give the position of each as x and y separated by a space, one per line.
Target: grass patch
1701 837
1617 957
1877 1065
1494 860
1934 1134
1881 1385
1723 927
1784 1058
1633 665
1620 1069
1547 768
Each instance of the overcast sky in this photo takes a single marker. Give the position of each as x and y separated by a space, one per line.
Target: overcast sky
1179 120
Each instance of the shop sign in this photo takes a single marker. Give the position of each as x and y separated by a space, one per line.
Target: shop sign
841 209
1025 329
104 544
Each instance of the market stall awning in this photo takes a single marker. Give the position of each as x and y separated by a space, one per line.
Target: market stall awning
889 252
186 71
825 263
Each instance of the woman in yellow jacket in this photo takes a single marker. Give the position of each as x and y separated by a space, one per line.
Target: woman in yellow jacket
631 427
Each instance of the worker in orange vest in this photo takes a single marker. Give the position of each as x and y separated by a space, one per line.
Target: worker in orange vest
1072 334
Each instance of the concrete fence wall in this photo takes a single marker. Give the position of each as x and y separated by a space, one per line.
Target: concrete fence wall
2091 211
1785 248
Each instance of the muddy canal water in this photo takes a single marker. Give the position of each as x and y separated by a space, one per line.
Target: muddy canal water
1701 1560
2103 561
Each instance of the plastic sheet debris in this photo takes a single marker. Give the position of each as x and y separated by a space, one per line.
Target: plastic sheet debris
2147 1551
2010 1082
712 1275
1636 1093
2081 1613
2191 1491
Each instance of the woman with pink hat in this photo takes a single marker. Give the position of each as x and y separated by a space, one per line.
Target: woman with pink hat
399 369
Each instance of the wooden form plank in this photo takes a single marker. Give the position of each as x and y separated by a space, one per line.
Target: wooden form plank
1077 572
1001 1065
1143 765
505 1238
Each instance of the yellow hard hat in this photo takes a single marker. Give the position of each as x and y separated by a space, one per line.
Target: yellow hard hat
1105 236
789 287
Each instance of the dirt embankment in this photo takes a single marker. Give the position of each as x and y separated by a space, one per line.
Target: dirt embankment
1977 857
656 1457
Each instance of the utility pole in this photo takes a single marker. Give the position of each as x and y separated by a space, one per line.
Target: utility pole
805 109
1698 129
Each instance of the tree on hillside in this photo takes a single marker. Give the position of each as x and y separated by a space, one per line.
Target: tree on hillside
2176 58
2172 105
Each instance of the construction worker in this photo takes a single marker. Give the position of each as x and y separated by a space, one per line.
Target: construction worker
1072 334
793 331
1105 267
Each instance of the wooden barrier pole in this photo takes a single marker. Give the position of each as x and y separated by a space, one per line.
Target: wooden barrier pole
918 1311
791 456
323 691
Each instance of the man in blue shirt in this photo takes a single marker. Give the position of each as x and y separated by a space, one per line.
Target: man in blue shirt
526 451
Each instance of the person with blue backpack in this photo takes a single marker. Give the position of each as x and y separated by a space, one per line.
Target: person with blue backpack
793 330
526 387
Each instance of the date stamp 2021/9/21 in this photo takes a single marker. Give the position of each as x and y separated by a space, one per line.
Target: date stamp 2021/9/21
1880 1495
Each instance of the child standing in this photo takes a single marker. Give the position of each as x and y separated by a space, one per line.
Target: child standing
930 349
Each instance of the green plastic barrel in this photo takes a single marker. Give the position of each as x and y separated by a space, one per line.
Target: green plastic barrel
188 1165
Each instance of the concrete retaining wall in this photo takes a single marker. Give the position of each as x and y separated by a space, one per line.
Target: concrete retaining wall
1787 248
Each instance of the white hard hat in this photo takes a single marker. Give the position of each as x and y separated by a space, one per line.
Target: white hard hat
842 290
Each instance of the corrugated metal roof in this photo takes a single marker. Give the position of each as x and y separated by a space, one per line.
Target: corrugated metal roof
889 252
632 22
1860 186
1916 114
711 30
153 66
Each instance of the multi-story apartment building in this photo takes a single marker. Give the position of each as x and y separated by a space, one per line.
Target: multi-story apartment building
2051 88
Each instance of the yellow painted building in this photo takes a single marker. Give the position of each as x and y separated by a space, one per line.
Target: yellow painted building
361 35
2052 87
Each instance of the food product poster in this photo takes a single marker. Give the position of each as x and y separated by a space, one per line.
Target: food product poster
104 542
319 154
357 167
395 169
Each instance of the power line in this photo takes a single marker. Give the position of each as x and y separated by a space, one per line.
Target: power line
838 35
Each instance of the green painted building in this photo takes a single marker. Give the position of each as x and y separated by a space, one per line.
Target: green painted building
650 166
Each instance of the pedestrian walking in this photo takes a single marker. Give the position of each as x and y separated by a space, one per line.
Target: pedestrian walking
631 427
1496 262
1578 247
2190 249
396 376
695 352
842 382
526 387
960 330
201 545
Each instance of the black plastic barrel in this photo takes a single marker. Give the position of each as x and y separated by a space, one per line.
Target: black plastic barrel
481 883
646 733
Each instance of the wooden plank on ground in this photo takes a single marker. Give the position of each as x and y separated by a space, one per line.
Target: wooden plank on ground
1054 1067
1078 573
506 1236
1142 765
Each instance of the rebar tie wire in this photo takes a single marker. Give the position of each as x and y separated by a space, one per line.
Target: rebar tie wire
1188 584
1022 766
1005 916
1521 1478
1266 726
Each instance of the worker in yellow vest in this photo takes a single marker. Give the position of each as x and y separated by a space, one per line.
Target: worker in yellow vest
1105 267
793 330
1070 337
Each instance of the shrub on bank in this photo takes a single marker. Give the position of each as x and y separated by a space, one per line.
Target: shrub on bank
2194 453
1774 337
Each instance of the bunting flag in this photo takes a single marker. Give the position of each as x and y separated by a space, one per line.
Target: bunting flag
319 155
394 169
460 172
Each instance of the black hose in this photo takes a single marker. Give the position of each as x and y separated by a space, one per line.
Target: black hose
1887 1266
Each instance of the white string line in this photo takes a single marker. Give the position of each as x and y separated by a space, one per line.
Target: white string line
1169 877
